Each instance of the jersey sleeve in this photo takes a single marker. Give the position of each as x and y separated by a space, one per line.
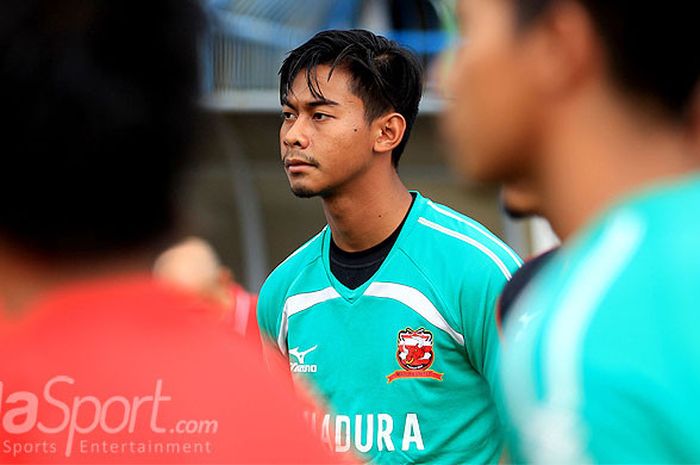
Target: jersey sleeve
479 304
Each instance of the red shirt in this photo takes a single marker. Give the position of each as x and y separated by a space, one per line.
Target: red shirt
127 371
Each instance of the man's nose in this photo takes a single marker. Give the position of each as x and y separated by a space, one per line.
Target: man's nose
296 135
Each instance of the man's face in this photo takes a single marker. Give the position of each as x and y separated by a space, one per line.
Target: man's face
493 112
325 143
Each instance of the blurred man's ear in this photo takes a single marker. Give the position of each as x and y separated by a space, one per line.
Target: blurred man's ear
565 50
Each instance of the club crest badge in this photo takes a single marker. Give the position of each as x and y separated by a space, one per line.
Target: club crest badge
415 355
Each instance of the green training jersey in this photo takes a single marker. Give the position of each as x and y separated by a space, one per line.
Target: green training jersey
406 360
601 361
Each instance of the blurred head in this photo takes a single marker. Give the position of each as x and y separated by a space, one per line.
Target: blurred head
349 100
523 60
193 265
99 102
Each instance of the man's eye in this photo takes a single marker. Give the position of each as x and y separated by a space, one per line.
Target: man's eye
320 116
288 116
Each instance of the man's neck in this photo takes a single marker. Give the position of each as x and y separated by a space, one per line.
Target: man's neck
365 213
24 279
595 161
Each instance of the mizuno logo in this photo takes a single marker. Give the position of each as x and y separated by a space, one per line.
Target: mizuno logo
527 317
301 355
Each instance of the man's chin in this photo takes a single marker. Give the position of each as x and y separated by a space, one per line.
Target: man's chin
303 192
516 213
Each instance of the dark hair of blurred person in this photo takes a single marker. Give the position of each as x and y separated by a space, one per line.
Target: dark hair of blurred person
108 365
100 105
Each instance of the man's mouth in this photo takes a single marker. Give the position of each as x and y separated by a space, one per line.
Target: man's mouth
297 165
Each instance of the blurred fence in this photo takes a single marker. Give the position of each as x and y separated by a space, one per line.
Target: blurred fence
248 39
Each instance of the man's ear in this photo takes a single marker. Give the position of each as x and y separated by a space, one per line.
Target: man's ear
389 129
566 49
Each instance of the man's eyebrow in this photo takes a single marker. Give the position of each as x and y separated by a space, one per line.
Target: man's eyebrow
286 103
321 102
311 104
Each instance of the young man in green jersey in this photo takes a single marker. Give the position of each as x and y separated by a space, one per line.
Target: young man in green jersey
594 105
389 311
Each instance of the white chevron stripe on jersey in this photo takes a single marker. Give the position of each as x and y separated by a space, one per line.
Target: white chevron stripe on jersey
416 301
479 228
299 303
470 241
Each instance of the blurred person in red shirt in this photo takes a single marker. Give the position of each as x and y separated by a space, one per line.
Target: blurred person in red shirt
193 264
101 363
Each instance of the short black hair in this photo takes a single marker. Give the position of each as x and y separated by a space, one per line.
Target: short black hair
100 108
386 76
649 47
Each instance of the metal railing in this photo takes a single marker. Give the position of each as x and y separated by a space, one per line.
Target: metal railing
248 39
